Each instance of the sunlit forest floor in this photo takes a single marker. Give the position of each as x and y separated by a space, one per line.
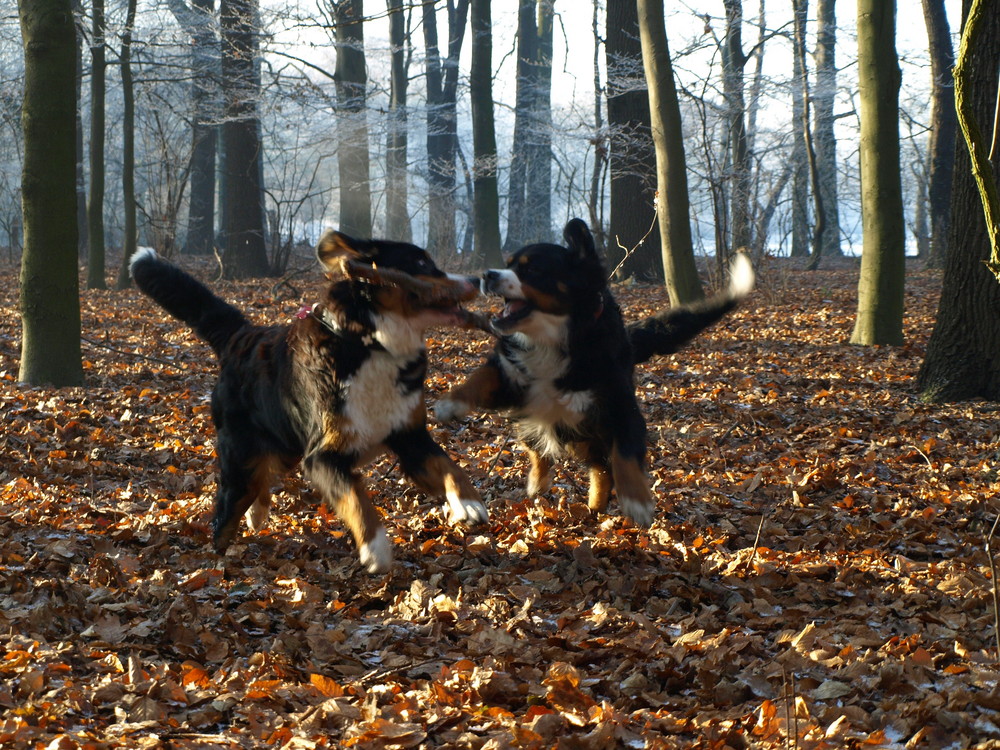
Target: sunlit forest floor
817 575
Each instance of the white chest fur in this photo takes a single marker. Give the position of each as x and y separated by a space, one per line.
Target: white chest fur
377 403
546 405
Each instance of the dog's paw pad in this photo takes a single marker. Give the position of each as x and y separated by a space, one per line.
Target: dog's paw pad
640 511
447 410
470 512
376 554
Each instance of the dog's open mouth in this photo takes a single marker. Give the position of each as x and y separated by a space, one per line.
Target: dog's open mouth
514 311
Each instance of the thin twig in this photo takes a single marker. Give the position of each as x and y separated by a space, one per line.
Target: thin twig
628 253
924 455
996 593
132 354
756 542
786 701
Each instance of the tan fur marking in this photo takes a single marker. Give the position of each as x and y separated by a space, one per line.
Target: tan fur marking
632 488
358 513
540 474
479 389
600 489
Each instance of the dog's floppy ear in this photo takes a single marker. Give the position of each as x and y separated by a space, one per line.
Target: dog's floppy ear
335 248
579 239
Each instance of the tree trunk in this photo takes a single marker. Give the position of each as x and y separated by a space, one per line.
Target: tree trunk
198 22
49 294
397 218
800 174
632 156
442 124
486 200
538 176
824 139
962 361
943 129
352 127
883 267
599 170
673 209
245 255
130 240
527 39
95 206
733 62
81 153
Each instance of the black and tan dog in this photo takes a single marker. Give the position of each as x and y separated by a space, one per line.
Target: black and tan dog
333 389
563 366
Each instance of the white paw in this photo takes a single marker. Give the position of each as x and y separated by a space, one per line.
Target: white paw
640 511
257 514
472 512
537 486
376 554
447 410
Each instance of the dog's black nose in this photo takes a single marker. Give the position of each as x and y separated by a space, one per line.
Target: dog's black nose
490 279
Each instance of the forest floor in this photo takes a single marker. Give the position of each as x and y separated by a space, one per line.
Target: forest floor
817 575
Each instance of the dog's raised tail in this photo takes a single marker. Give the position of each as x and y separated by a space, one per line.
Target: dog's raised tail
186 298
666 332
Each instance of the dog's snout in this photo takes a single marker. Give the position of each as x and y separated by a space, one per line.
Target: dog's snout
489 281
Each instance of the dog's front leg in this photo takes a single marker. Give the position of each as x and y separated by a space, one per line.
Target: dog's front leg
430 468
482 390
341 487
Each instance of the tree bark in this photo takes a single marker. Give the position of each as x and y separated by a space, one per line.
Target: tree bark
49 294
800 173
397 219
81 153
943 129
442 125
486 199
245 255
538 176
673 208
961 361
733 62
198 22
353 157
130 240
95 206
823 96
527 38
632 156
883 268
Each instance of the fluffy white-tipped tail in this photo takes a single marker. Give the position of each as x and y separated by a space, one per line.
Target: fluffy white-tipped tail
143 253
741 276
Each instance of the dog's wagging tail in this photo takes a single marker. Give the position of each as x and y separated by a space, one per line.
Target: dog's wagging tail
331 390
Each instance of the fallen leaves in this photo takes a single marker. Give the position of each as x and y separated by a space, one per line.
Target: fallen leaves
816 576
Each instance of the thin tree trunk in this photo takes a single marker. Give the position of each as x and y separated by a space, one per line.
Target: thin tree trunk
442 133
397 220
595 201
352 127
883 268
49 283
130 240
245 254
198 23
632 155
800 176
81 153
486 199
527 38
673 208
824 139
733 62
538 176
943 130
95 207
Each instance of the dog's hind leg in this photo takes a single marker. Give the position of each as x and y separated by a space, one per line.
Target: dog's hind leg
244 488
342 488
430 468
